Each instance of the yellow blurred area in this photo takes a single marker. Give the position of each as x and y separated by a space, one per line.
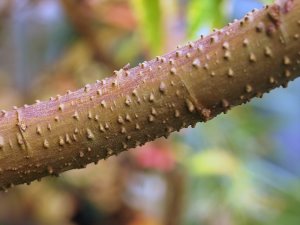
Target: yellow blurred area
215 162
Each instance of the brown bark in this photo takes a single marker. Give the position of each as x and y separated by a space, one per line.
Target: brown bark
192 84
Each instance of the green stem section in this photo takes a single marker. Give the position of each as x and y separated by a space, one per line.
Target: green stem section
194 83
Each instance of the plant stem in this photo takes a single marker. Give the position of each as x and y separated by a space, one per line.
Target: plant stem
194 83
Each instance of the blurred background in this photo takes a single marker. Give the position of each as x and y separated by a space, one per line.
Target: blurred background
238 169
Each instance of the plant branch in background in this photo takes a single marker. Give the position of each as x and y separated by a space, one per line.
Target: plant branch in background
193 83
78 15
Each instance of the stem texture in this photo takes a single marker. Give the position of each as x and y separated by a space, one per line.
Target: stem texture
191 84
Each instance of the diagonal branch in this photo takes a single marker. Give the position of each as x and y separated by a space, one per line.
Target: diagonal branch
194 83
